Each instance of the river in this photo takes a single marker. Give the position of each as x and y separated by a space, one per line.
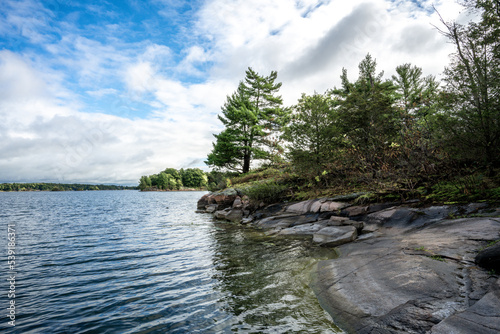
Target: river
132 262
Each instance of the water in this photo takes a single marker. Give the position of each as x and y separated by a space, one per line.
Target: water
131 262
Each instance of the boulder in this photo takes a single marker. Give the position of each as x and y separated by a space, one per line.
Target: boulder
223 199
235 215
332 236
203 202
301 207
237 202
356 210
247 220
489 258
344 221
211 208
329 206
221 214
316 206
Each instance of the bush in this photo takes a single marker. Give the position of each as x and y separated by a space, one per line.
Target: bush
268 192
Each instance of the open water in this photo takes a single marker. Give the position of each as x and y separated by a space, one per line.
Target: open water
132 262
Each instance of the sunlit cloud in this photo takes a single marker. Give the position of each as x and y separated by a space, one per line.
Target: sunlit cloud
106 93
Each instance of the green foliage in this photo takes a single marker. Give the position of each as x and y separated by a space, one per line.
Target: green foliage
437 258
145 182
194 178
470 121
173 179
251 115
312 133
366 117
268 192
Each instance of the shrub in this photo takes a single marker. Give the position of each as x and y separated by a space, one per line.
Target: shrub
267 192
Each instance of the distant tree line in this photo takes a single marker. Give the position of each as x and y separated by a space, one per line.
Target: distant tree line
59 187
173 179
404 128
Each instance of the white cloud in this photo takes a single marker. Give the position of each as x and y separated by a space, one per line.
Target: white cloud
42 140
48 130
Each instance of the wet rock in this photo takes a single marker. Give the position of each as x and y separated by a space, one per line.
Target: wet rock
235 215
305 230
237 203
489 258
332 236
211 208
275 222
221 214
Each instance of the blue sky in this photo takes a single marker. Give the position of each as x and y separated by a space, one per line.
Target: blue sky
107 91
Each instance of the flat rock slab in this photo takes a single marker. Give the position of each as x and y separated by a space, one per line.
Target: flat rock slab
304 230
411 280
332 236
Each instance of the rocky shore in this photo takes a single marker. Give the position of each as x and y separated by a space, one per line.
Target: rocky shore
401 268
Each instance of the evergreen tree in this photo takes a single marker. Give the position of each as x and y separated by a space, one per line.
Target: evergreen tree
366 115
312 133
250 115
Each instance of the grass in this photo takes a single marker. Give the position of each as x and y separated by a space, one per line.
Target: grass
437 258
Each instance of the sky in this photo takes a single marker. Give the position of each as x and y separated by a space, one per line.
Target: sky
108 91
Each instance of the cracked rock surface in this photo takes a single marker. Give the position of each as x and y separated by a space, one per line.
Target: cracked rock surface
417 276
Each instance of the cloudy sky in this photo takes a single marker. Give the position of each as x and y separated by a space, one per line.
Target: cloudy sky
107 91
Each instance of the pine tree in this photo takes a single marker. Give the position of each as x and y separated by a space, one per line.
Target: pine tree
250 115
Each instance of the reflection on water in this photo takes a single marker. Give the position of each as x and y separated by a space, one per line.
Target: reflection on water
131 262
266 281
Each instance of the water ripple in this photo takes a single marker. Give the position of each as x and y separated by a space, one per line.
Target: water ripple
122 262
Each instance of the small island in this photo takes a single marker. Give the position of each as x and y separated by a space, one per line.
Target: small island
172 179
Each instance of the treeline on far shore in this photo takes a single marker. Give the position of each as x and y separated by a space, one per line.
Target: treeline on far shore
59 187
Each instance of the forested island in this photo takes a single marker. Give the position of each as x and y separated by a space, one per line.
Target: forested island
400 137
59 187
178 179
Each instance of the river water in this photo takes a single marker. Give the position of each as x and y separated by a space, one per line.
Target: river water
132 262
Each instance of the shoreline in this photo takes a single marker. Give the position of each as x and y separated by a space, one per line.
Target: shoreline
406 269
